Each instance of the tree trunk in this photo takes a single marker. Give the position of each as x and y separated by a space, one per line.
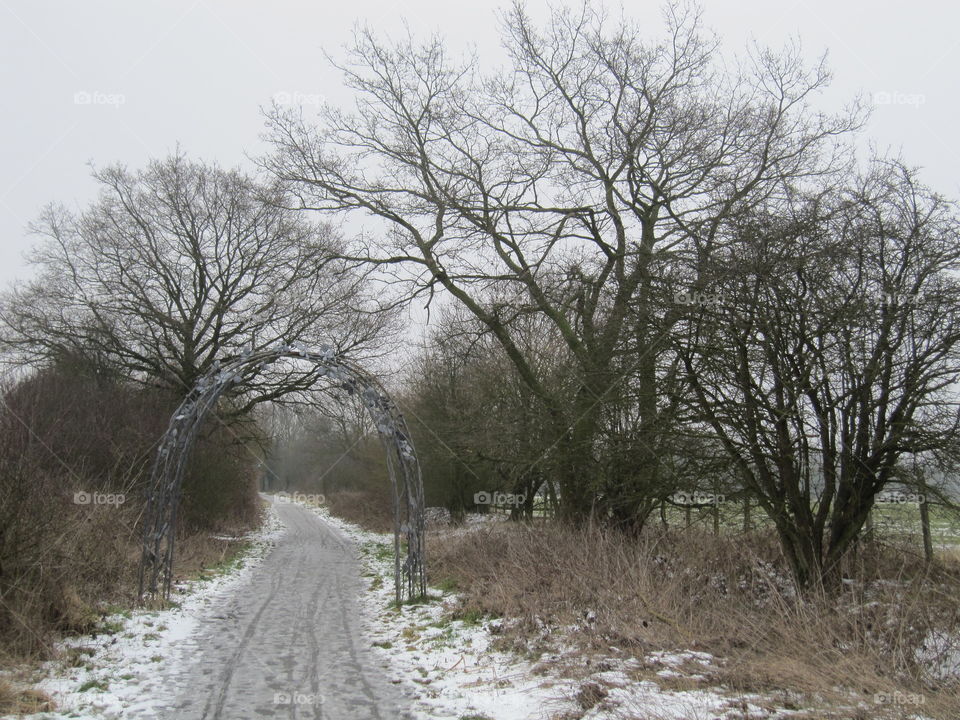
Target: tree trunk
802 555
925 529
577 469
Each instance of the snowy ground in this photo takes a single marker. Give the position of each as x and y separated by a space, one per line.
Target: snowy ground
114 674
444 668
455 674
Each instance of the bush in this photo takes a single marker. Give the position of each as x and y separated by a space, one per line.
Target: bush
371 509
69 436
220 485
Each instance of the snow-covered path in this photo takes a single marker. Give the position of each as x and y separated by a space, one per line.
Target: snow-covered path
294 632
288 643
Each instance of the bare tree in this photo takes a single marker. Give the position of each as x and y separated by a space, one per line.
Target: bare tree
577 177
182 266
482 428
830 349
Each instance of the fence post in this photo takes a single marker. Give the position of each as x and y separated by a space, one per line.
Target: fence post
925 529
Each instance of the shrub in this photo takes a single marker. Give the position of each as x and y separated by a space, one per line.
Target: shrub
62 433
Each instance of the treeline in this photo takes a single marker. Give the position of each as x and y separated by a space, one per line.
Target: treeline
810 367
668 272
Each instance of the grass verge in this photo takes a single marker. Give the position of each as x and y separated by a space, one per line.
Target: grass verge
589 593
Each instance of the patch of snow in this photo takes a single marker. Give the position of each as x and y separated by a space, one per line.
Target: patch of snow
115 674
448 668
940 653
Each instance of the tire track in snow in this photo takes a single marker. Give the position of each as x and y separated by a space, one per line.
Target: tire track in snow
287 643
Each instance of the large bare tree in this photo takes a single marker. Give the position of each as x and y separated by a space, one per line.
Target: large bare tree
179 267
576 177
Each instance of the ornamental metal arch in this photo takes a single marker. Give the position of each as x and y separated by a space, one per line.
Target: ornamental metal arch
159 533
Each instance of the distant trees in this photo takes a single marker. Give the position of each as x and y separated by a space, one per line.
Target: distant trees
178 267
321 448
480 425
577 184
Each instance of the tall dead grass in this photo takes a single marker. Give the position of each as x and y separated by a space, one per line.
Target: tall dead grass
64 561
370 509
729 596
19 700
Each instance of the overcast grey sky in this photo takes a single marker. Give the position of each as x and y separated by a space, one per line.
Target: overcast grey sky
120 81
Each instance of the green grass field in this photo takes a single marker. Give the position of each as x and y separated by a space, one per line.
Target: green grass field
891 520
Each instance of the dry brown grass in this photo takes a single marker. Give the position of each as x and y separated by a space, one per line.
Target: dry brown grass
200 551
16 700
54 583
77 601
370 509
72 580
728 596
63 561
